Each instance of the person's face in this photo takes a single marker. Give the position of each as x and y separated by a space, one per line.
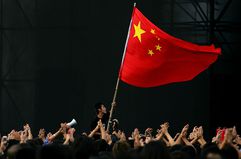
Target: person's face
103 109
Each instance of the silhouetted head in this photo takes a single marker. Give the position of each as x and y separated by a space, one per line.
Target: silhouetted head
83 147
229 152
100 145
190 151
54 151
120 149
25 151
155 150
180 155
210 151
100 107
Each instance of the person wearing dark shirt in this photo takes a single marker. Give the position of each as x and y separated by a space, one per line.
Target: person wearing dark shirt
101 114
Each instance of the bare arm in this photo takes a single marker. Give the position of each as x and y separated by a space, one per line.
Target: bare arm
183 133
165 131
94 131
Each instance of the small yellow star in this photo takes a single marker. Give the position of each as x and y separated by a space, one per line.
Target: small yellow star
153 31
150 52
138 31
158 47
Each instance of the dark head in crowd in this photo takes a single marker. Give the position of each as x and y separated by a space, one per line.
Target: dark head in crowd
120 149
83 147
54 151
211 151
155 150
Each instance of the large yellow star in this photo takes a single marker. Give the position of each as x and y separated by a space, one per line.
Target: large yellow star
150 52
158 47
138 31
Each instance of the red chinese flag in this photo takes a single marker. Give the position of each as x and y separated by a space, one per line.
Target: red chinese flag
155 58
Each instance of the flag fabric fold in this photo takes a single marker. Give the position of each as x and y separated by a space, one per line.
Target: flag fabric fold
155 58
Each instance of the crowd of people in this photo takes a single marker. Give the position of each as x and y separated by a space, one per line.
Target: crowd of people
100 143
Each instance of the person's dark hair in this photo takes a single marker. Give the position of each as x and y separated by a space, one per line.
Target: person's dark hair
102 155
82 147
97 107
25 151
105 155
10 143
100 145
209 148
134 153
131 142
155 150
176 147
120 149
229 152
180 155
36 142
54 151
191 152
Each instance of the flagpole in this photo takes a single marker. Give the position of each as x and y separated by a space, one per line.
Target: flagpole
118 79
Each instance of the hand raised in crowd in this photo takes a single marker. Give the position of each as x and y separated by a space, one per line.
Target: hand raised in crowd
217 139
15 135
3 144
237 140
27 130
182 134
122 136
62 130
71 132
23 136
136 138
200 136
94 131
231 136
41 134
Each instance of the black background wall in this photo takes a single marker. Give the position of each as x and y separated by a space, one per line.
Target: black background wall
60 57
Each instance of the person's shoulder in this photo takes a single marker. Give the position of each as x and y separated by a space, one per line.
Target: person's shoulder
106 116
